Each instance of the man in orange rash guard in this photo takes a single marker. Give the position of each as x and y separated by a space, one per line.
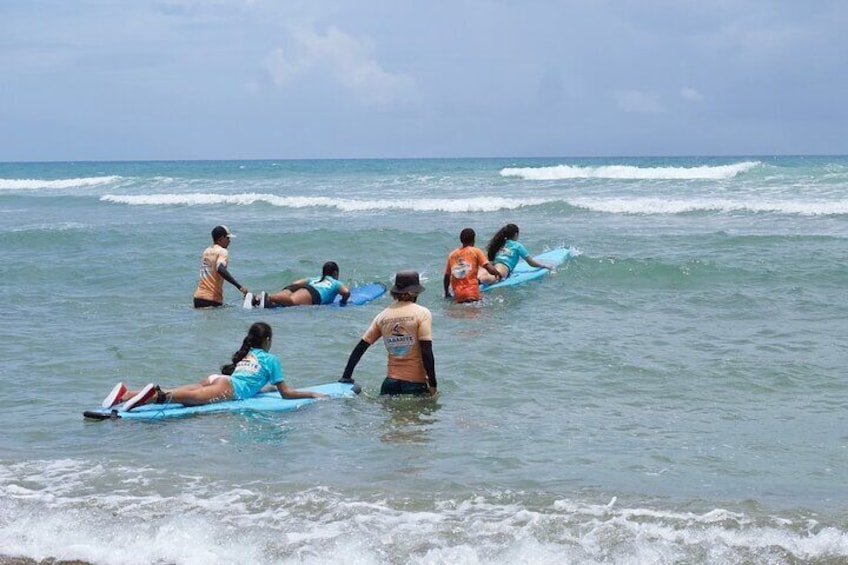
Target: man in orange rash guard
462 267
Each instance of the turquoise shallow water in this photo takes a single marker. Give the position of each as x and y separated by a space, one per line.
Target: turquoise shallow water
676 393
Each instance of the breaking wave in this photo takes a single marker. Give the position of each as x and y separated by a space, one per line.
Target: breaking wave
627 172
479 204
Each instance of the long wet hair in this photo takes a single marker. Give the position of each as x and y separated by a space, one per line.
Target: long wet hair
256 336
330 269
404 296
509 231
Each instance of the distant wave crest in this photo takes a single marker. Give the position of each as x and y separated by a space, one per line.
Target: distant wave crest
625 172
479 204
636 206
684 206
36 184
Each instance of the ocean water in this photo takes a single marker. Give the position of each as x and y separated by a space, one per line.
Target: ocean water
676 393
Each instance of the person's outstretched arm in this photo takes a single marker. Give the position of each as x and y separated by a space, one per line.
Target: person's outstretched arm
287 392
492 270
225 274
345 294
533 263
355 356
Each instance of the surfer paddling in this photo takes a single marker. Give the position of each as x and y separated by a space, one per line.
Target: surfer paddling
504 251
252 367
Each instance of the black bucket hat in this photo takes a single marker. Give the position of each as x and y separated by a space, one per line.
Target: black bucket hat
407 282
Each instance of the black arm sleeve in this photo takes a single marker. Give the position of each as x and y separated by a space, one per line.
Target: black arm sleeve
354 358
429 362
222 270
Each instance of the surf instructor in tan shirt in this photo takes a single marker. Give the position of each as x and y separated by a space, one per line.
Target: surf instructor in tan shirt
406 329
213 270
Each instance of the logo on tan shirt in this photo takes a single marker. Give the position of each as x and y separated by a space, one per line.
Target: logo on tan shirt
399 342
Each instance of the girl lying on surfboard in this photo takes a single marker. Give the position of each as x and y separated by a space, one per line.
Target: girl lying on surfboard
252 368
504 251
317 290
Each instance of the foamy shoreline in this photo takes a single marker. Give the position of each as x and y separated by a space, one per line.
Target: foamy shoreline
9 560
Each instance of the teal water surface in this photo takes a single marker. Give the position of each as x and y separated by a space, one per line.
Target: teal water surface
674 394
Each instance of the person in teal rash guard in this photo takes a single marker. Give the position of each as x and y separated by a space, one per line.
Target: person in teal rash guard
504 251
251 369
316 290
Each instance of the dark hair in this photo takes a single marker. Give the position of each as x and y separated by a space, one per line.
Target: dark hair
330 269
466 236
509 231
404 296
219 232
256 336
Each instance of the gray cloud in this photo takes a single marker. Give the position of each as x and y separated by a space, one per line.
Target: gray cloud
293 78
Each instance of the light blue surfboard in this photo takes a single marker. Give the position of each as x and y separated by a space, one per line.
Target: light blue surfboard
524 272
262 402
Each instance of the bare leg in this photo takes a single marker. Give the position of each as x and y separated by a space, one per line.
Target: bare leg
210 389
300 297
485 277
202 382
213 388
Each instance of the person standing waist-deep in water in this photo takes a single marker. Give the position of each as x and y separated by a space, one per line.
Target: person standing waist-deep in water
214 271
504 251
462 268
406 329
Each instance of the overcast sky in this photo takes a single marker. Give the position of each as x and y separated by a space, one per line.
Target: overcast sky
241 79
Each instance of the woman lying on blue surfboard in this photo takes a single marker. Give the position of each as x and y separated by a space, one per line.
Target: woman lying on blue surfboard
303 292
252 368
504 251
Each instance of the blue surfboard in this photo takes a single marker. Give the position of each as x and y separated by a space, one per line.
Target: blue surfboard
364 294
524 272
359 295
262 402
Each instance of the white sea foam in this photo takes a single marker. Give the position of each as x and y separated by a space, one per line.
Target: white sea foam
624 205
76 510
36 184
50 227
682 206
624 172
478 204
